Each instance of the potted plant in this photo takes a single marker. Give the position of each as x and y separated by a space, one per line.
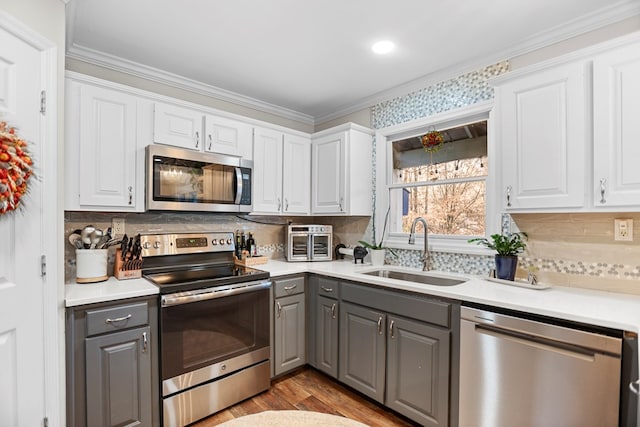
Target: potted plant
507 246
376 250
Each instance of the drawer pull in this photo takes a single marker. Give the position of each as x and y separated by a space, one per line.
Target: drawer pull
119 319
326 289
290 288
636 389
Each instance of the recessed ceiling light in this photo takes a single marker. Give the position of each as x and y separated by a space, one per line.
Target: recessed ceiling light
382 47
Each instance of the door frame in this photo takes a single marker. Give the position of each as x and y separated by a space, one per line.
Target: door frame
53 282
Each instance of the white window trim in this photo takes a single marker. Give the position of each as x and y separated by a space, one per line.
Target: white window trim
384 178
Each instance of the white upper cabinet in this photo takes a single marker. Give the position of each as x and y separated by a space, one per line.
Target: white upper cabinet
541 131
227 136
267 171
568 132
195 130
616 128
341 171
177 126
281 170
296 184
104 158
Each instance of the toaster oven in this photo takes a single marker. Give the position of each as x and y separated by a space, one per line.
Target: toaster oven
309 243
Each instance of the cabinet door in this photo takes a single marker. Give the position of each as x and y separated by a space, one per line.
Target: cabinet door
616 127
418 371
541 138
107 144
118 379
177 126
267 171
227 136
289 333
296 185
362 349
327 335
328 186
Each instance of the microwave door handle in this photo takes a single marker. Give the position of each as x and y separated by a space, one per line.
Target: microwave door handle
238 185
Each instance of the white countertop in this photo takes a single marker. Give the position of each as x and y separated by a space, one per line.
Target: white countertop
608 309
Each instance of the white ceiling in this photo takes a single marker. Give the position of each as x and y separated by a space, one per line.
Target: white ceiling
311 60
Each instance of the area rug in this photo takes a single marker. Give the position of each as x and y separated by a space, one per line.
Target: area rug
291 419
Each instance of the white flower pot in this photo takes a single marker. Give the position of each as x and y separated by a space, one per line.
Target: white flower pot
377 256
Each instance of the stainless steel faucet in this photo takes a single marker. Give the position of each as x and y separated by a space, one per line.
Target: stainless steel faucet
426 257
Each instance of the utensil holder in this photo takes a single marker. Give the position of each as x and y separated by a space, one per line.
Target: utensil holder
124 270
91 265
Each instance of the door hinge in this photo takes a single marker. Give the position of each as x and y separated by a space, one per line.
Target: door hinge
45 422
43 265
43 102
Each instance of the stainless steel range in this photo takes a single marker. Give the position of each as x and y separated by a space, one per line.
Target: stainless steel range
214 324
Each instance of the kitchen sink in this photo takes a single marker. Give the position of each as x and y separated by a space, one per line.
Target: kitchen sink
425 278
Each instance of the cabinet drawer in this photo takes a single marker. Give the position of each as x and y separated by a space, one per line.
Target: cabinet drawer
291 286
115 318
328 287
416 306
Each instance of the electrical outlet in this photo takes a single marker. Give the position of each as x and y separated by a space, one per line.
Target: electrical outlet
117 226
623 230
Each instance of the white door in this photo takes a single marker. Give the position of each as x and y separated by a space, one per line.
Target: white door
267 171
22 388
327 174
296 179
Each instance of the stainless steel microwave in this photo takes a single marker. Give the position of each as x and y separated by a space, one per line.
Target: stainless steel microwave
185 180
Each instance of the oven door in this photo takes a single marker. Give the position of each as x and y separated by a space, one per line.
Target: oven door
208 333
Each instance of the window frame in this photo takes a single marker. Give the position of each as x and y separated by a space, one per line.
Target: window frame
384 178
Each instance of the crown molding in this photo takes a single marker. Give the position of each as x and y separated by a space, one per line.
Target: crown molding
136 69
584 24
616 12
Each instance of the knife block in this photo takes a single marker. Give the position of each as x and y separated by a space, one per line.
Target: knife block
122 271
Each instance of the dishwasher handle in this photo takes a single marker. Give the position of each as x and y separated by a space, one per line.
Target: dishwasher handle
538 342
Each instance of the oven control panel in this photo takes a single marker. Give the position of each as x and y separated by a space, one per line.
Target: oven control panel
186 243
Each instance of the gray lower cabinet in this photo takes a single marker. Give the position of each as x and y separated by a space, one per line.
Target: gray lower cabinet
326 339
112 364
362 349
396 348
418 371
289 331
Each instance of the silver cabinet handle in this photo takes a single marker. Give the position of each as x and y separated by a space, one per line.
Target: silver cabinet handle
286 205
119 319
341 203
130 195
380 325
603 182
326 289
290 288
145 342
391 328
279 204
279 308
333 310
508 196
197 139
636 389
210 141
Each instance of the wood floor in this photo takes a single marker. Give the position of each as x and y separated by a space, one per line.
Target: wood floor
309 390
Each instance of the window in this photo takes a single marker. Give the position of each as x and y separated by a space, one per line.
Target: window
446 185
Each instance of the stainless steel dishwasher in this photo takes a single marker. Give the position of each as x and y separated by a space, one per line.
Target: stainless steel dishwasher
520 372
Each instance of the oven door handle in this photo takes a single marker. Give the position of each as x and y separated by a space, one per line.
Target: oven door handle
212 293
